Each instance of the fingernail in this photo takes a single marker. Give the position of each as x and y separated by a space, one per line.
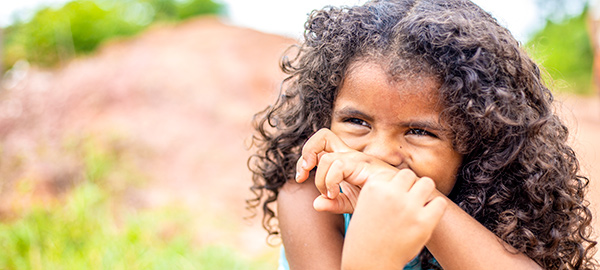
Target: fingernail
329 194
297 175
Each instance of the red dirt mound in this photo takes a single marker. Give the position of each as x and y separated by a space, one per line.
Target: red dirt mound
177 99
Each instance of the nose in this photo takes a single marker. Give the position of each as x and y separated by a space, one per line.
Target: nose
386 148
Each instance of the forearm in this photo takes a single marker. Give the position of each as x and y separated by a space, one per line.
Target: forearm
312 240
461 242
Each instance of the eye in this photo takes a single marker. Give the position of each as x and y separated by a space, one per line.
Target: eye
356 121
420 132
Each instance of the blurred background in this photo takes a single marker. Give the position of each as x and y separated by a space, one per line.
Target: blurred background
125 125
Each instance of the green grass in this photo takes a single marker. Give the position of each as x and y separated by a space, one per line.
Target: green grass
83 233
90 226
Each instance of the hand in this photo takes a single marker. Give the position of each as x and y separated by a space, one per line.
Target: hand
338 166
394 218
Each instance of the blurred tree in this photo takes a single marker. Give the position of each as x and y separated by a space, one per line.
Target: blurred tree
80 26
165 9
190 8
564 50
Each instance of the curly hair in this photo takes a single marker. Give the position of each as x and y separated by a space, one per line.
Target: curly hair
519 178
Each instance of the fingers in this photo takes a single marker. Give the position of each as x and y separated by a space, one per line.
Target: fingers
322 141
409 222
423 193
404 179
330 172
340 205
351 167
333 178
302 170
422 189
434 210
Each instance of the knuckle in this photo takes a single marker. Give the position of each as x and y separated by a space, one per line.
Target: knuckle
423 220
327 158
428 183
440 203
322 132
356 155
371 186
443 204
403 175
337 164
307 150
331 185
407 173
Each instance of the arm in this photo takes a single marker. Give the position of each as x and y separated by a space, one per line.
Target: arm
312 240
395 214
460 242
457 242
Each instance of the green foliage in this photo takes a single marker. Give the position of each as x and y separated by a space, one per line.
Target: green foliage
564 51
83 234
89 228
79 27
190 8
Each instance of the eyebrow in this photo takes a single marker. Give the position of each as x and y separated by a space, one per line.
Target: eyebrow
351 112
426 124
422 123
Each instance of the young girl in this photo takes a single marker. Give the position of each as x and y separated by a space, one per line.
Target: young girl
387 100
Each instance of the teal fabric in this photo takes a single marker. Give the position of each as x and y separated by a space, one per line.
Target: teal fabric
283 263
347 218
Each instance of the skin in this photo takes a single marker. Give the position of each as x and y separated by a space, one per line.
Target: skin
415 217
396 122
379 122
386 139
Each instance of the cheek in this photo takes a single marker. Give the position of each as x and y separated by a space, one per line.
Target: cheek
445 185
442 168
448 180
352 141
335 128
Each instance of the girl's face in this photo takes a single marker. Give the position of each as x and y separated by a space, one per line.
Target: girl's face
397 122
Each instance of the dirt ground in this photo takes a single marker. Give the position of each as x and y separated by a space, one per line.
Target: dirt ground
582 116
176 102
180 99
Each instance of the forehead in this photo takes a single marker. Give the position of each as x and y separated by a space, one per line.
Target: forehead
366 80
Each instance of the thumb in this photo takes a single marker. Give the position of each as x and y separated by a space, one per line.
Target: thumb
340 205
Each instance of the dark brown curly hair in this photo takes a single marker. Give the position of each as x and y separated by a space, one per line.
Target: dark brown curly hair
519 178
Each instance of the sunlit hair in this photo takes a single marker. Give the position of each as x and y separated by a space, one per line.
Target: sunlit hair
519 178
